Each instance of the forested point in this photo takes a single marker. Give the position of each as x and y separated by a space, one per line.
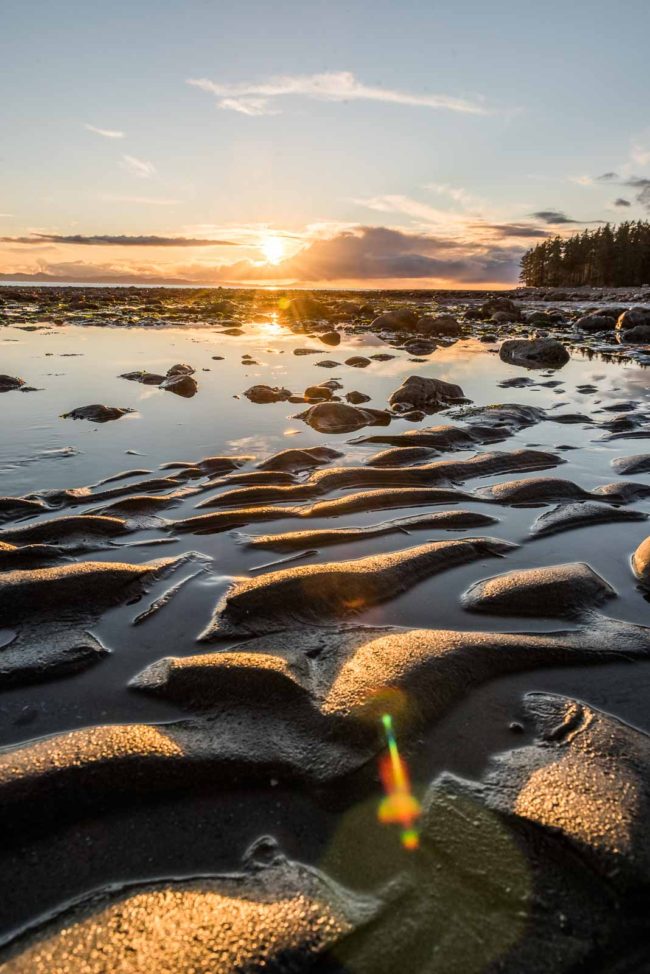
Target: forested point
605 257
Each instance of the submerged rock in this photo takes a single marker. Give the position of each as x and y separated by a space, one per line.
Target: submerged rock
438 325
265 394
10 382
559 590
537 353
339 417
97 413
424 393
321 594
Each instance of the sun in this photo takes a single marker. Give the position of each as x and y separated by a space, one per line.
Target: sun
273 249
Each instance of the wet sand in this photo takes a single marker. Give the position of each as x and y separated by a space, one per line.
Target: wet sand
486 558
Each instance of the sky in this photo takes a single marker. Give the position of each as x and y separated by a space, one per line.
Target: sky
347 143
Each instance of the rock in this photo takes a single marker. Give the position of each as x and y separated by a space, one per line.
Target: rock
265 394
97 413
10 382
438 325
180 369
498 305
321 392
330 338
536 353
146 378
420 392
358 362
356 398
633 318
403 320
640 463
641 563
306 306
595 323
568 590
338 417
324 593
180 383
640 334
419 346
328 364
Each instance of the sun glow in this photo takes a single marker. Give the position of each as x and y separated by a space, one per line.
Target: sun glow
273 249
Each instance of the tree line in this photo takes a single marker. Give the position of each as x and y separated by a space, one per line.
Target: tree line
605 257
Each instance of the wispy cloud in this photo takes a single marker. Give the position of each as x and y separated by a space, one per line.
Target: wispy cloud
455 193
259 98
106 133
144 200
622 202
554 217
138 167
642 184
119 240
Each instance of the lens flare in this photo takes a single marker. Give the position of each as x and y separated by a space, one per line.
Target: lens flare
400 806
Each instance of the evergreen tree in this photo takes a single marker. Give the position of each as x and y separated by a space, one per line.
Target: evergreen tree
605 257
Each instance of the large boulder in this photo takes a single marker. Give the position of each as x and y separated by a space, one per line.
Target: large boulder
419 392
596 323
438 325
640 334
632 318
403 320
534 353
339 417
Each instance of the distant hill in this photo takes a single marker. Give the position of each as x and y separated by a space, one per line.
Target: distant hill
606 257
